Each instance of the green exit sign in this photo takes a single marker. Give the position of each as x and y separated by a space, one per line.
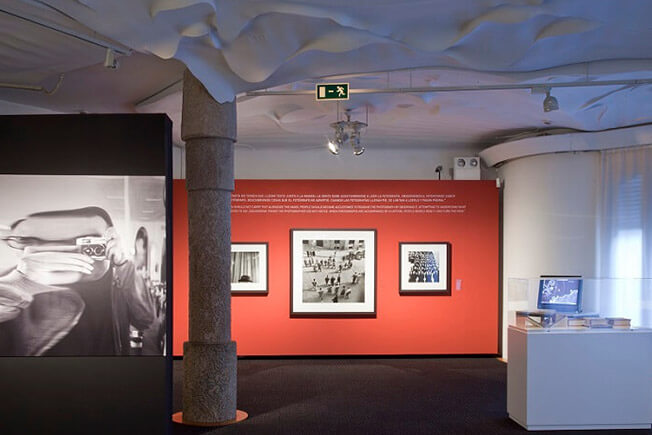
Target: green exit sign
333 91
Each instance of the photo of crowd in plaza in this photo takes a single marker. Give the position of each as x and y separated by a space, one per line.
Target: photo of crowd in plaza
333 271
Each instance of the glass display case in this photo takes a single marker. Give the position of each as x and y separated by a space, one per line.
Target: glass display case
574 302
596 341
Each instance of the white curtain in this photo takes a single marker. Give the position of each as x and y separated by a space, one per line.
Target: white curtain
625 235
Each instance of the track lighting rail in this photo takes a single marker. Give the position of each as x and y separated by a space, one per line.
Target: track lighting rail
69 32
429 89
34 88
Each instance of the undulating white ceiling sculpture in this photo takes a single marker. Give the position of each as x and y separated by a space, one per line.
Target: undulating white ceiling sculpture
238 45
439 119
30 53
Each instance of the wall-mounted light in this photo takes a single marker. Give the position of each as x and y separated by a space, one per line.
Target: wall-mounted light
438 170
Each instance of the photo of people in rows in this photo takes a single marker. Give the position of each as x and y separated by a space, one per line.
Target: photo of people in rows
424 266
333 271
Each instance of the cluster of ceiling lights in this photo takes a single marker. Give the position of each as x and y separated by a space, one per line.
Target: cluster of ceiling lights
346 133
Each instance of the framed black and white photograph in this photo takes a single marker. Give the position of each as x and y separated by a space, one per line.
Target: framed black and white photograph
82 265
425 268
249 268
333 272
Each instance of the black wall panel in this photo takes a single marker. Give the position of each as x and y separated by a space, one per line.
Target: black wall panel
91 395
88 394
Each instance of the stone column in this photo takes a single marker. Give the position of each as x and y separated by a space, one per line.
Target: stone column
209 131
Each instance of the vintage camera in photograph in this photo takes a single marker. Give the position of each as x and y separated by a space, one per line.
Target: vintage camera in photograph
94 247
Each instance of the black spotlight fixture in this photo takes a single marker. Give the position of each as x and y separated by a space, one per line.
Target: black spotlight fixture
550 103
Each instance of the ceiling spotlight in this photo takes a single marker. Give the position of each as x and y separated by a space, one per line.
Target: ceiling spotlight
550 103
333 147
347 132
473 162
354 139
109 60
461 163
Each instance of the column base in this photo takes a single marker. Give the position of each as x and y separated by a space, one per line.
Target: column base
210 382
177 417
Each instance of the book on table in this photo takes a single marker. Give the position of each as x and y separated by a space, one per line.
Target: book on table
597 322
620 322
576 322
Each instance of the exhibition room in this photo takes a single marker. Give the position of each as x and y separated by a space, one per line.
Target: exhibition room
325 217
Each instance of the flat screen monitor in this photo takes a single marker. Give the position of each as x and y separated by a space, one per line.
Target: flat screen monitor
560 293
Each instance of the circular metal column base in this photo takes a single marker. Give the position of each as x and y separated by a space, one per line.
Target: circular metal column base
177 417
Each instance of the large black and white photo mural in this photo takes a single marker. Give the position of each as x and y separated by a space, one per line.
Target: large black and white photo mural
82 265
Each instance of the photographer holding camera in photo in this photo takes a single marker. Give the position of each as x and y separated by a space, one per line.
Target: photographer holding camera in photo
73 290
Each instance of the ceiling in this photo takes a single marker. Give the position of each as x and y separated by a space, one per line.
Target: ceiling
238 46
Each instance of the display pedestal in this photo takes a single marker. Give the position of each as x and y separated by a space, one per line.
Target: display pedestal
569 379
177 417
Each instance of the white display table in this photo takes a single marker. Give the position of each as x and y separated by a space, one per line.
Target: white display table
579 379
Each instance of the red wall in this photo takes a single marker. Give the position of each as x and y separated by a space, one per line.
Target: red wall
464 323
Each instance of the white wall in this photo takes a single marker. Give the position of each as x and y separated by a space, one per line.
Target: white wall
549 221
178 162
383 164
9 108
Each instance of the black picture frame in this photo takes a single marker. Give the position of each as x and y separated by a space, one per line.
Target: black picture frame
427 284
366 308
